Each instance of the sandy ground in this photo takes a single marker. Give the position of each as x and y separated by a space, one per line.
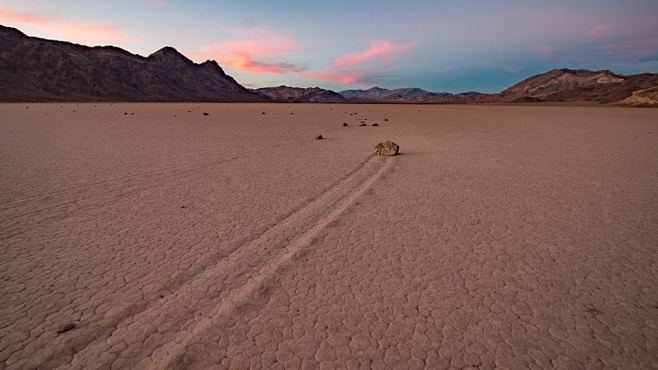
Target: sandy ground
505 236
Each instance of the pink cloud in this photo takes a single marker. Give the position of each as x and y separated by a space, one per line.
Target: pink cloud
347 69
342 77
375 50
547 52
82 32
249 52
603 32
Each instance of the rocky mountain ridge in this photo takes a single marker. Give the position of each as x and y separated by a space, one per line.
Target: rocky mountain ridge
34 69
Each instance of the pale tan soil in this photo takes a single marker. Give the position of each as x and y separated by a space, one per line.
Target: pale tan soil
502 236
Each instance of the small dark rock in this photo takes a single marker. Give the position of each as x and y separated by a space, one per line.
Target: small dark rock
262 112
205 114
319 137
385 119
362 125
66 328
375 124
345 124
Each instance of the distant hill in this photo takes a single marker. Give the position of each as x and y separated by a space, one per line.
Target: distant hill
301 95
566 85
397 95
410 95
33 69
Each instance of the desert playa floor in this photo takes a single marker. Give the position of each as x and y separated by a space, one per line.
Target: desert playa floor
154 236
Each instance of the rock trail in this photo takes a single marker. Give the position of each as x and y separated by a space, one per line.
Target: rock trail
234 280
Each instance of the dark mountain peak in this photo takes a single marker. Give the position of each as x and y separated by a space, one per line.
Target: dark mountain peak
170 56
11 31
213 66
167 51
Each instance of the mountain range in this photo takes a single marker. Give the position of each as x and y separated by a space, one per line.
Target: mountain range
35 69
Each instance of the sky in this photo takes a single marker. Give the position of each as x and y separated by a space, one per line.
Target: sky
440 45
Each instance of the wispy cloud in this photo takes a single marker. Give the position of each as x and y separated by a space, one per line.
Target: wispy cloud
375 50
547 52
355 68
341 77
604 32
91 33
251 52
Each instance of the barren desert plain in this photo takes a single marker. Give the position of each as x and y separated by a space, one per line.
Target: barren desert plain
152 236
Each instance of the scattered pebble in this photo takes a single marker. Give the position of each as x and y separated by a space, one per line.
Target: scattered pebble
205 114
375 124
345 124
319 137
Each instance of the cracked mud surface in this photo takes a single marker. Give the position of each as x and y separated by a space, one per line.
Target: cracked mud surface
509 237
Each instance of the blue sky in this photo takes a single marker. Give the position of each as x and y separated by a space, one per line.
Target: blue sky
441 45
